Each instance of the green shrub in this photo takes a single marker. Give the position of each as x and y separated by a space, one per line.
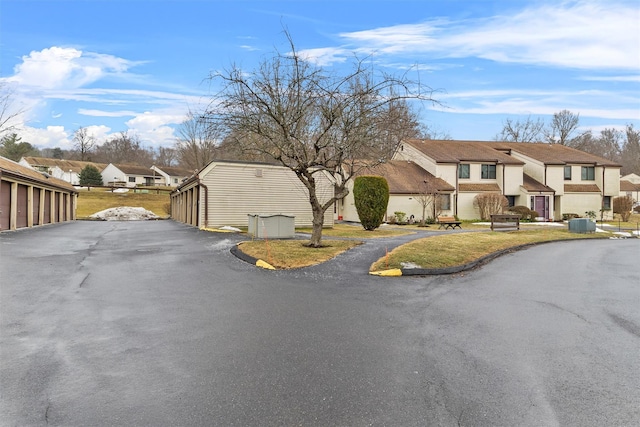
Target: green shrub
371 196
401 216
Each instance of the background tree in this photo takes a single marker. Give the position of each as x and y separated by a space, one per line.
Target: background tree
83 143
197 142
563 125
8 112
13 148
90 176
630 153
311 121
371 197
166 156
528 130
124 148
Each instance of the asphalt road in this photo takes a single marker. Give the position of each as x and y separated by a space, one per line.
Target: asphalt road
157 324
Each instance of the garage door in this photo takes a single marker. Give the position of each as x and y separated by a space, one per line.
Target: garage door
47 207
36 206
22 207
5 204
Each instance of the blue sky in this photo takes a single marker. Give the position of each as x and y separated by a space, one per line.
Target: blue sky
140 65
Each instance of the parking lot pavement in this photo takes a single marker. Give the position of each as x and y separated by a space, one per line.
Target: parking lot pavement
157 323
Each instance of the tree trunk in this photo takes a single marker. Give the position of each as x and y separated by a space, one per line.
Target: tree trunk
318 222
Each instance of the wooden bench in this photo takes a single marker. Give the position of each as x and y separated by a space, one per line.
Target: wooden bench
447 222
504 221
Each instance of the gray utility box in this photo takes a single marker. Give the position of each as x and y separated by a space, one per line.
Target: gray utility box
272 226
581 225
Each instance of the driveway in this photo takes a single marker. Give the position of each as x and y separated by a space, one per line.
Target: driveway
156 323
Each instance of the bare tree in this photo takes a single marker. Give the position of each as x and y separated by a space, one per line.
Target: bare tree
197 142
166 156
429 196
312 121
83 143
563 124
124 148
8 113
630 153
528 130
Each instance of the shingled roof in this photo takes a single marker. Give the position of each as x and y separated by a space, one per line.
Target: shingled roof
448 151
552 154
581 188
406 177
628 186
531 184
66 165
11 168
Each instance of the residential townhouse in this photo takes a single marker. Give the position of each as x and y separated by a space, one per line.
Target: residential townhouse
551 179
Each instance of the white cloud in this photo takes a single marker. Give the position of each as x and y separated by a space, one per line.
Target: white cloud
101 113
154 126
60 67
51 136
577 34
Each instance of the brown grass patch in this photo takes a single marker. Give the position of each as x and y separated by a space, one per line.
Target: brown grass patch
450 250
287 254
96 200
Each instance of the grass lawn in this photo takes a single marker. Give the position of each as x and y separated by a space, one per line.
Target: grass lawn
449 250
99 199
286 254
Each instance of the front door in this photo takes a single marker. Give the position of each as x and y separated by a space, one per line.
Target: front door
540 204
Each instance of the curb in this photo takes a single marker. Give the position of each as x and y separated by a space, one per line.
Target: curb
459 268
251 260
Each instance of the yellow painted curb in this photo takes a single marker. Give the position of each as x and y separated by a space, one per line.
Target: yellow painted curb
394 272
262 264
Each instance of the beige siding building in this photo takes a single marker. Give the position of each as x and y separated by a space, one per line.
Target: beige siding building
225 193
29 198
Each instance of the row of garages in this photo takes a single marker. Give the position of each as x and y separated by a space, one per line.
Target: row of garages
29 198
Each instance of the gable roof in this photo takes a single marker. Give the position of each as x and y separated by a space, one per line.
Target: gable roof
448 151
406 177
65 165
135 170
628 186
552 154
11 168
174 171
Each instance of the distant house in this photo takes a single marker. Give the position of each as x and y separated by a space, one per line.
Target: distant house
172 176
225 193
629 188
130 176
411 188
66 170
29 198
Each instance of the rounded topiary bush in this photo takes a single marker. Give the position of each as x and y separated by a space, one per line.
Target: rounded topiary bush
371 196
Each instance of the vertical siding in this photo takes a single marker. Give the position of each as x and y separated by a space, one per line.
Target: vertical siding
238 190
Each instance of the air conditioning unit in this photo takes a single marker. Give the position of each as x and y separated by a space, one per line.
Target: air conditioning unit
582 225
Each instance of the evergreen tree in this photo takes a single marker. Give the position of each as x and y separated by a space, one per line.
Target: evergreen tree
90 176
